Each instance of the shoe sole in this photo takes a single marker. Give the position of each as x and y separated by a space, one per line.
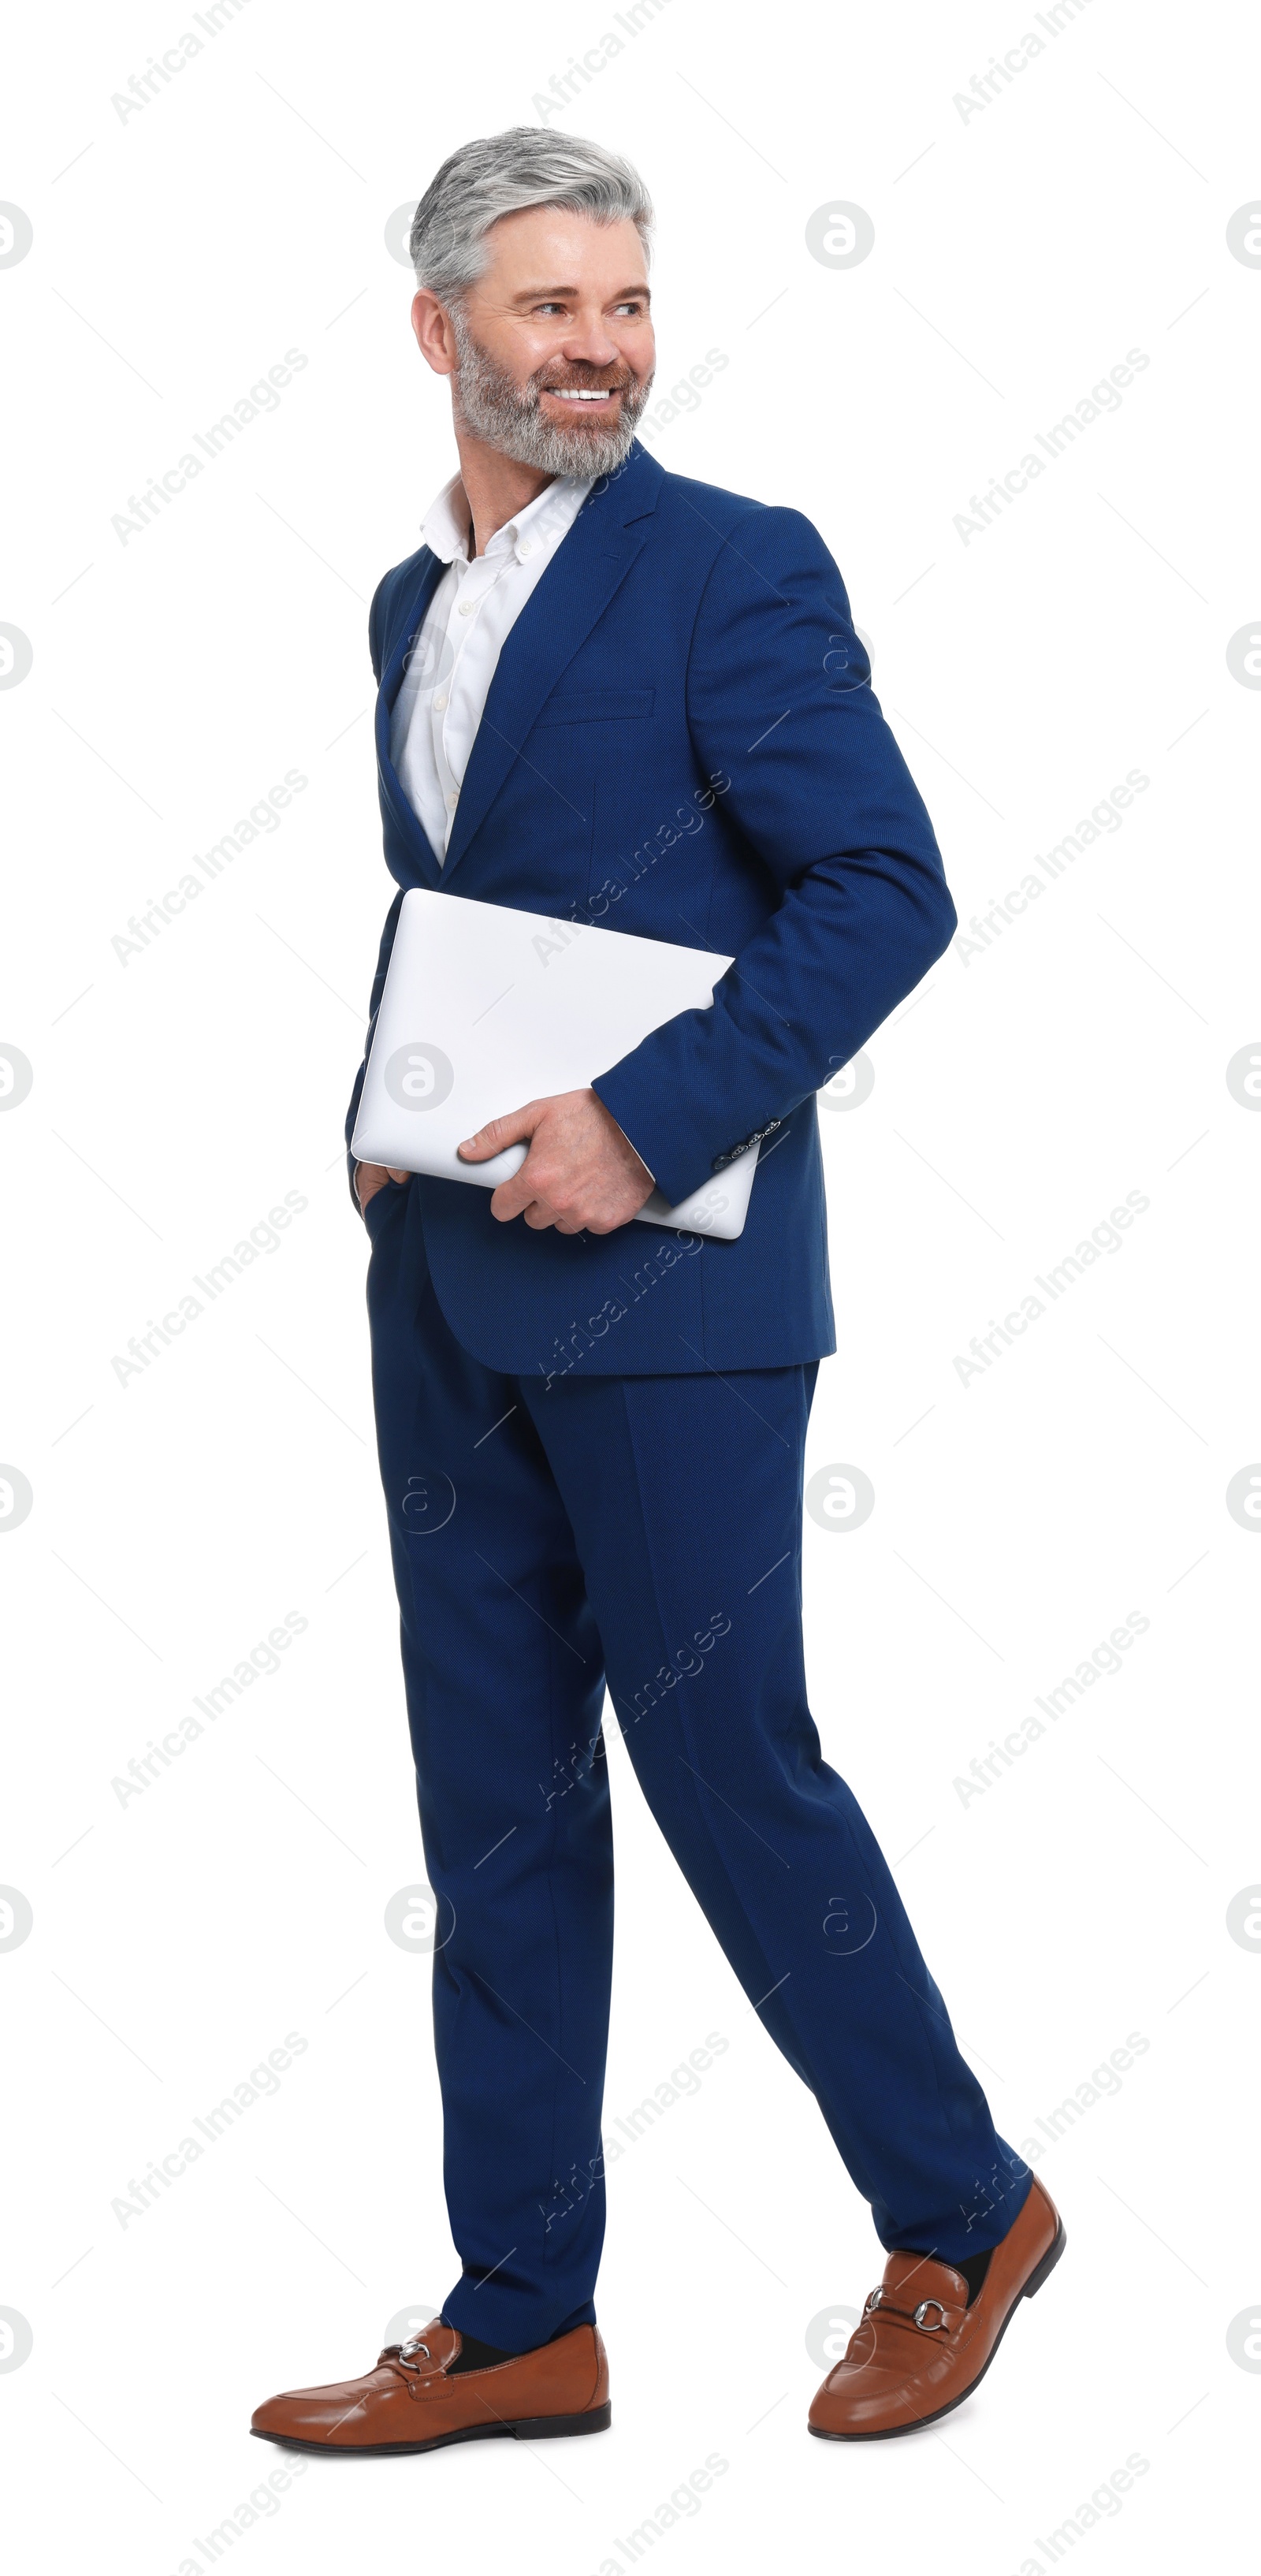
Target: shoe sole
527 2428
890 2432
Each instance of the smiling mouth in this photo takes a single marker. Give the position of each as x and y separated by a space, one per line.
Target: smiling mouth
582 393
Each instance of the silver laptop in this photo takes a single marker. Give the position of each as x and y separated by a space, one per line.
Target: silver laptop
485 1008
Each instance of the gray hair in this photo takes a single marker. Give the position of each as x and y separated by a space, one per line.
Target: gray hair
500 174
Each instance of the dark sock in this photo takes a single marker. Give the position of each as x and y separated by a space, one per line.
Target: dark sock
473 2355
973 2266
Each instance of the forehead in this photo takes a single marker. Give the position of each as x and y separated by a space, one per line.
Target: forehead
549 246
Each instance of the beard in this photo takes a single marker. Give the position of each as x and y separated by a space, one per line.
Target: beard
506 415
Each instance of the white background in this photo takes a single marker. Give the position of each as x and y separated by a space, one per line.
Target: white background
1019 254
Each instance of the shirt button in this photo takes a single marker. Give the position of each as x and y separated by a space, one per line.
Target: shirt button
526 546
440 703
453 799
467 607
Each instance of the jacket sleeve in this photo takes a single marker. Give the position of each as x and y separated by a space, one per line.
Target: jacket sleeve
779 699
375 631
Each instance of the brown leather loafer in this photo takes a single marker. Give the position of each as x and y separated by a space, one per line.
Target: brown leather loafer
920 2349
410 2403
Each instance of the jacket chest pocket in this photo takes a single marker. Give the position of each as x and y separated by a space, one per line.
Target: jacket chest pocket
596 706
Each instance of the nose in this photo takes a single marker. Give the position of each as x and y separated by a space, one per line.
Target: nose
589 343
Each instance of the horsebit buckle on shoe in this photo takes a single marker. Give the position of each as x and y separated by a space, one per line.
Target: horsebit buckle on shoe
922 2311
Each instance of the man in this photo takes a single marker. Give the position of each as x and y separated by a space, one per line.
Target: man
612 695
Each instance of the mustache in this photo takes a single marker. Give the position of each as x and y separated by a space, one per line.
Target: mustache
581 378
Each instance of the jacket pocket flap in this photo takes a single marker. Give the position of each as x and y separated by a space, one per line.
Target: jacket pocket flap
595 706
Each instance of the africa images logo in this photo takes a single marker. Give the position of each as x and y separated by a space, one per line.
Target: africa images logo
419 1076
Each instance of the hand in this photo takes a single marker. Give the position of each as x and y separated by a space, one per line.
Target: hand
581 1174
371 1177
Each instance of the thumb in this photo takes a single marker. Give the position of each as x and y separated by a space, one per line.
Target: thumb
515 1129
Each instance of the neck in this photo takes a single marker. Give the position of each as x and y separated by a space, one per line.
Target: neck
494 487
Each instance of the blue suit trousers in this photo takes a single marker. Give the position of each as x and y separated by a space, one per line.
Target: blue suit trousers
642 1532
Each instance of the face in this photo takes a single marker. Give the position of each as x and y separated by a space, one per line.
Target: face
551 352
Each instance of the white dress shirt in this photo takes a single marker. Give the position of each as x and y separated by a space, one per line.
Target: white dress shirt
445 686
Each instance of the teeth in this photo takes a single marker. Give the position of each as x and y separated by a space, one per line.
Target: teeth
579 393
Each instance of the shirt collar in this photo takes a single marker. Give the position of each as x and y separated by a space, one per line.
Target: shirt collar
444 528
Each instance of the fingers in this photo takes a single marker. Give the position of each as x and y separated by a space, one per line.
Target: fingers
521 1193
518 1196
515 1129
538 1214
371 1177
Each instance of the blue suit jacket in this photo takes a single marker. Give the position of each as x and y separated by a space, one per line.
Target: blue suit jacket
680 740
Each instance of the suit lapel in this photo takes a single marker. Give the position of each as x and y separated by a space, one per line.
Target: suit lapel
405 626
588 568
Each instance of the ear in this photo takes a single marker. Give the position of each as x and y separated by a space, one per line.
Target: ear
435 336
